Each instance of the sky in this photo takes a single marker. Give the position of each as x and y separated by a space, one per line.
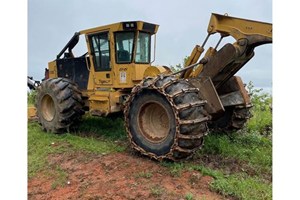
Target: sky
183 24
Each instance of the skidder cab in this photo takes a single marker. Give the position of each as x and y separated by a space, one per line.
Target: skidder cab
118 57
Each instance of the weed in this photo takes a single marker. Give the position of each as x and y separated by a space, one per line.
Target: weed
207 171
156 191
194 178
175 168
239 185
61 177
261 121
243 187
31 97
252 148
145 174
189 196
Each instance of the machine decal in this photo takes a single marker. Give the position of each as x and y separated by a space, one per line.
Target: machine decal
123 77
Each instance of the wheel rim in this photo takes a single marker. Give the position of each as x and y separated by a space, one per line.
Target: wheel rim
48 107
154 122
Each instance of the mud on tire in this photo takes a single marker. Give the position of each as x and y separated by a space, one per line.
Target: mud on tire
59 105
165 118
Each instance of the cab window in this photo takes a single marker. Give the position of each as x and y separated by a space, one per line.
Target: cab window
100 51
124 46
142 54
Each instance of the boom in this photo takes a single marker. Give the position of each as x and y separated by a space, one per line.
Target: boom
232 57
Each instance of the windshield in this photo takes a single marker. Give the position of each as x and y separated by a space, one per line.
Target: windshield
143 48
124 46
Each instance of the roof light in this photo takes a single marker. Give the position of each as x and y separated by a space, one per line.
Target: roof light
129 25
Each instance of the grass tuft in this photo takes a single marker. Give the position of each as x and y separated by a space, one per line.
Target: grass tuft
31 95
175 168
105 127
189 196
144 174
157 190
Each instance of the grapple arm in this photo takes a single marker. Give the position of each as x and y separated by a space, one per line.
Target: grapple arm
257 33
224 63
248 35
215 73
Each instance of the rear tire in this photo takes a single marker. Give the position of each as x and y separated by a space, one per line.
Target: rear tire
59 105
234 119
165 118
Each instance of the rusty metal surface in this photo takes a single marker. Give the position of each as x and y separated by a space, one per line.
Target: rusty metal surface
232 99
228 72
215 65
243 90
235 86
228 87
225 63
208 92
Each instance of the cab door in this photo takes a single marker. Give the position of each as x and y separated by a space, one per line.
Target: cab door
100 57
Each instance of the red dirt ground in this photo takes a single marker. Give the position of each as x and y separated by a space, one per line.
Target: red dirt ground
117 176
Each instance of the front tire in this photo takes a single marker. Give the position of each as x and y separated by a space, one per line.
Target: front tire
59 105
165 118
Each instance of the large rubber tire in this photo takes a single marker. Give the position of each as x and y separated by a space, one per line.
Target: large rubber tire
165 118
59 105
234 119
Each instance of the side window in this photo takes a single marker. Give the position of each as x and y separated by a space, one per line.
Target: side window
143 48
124 46
100 51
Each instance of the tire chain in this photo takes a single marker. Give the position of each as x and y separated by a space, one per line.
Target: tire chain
149 83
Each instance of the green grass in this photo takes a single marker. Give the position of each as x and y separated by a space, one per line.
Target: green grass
41 144
189 196
61 177
248 188
174 168
144 174
253 149
238 185
157 190
31 98
261 122
105 127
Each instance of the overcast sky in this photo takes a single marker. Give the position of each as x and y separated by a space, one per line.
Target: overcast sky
183 24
